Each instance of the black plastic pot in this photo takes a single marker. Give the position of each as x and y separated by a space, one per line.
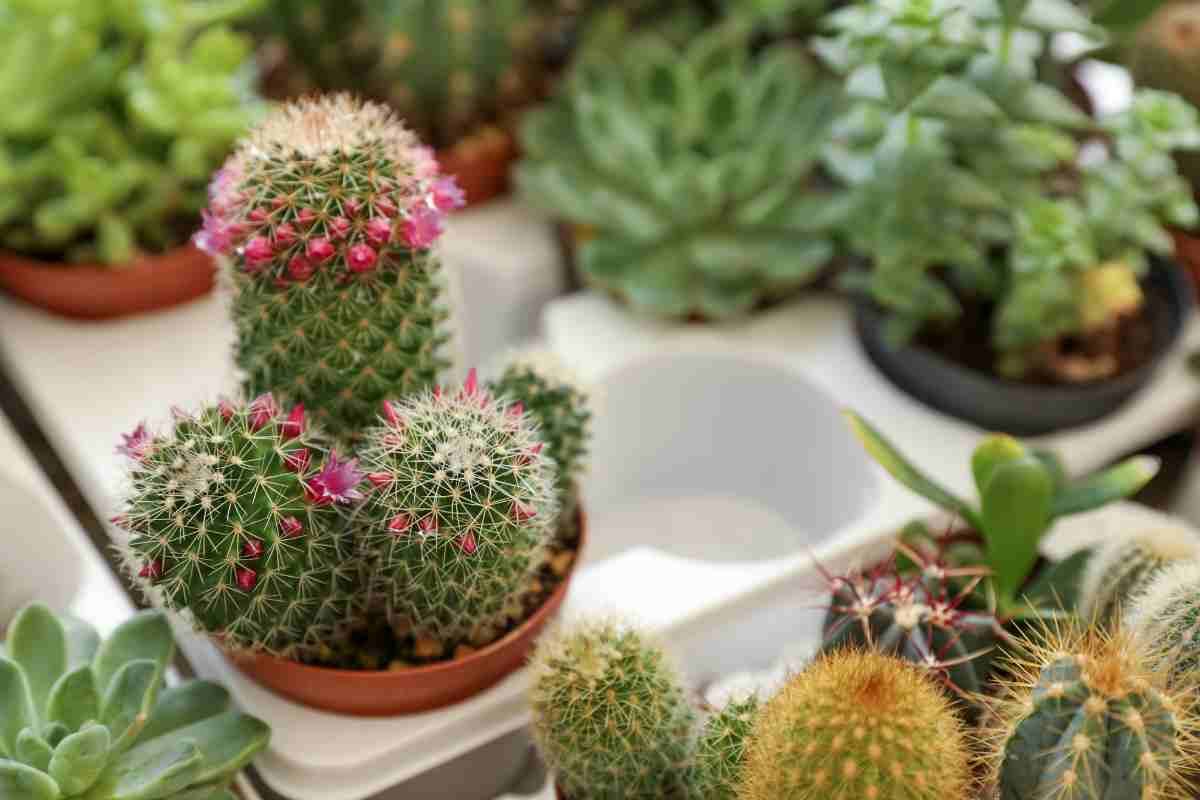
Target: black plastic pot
1026 409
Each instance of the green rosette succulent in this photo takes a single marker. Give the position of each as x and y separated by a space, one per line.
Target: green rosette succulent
91 719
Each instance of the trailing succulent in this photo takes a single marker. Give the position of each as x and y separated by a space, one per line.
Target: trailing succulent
970 184
328 212
115 117
91 719
687 170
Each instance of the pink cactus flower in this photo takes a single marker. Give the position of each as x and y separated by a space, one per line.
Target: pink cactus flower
379 231
468 544
337 482
290 527
263 409
338 227
522 512
399 524
226 409
258 215
447 196
351 206
429 525
297 460
471 385
517 409
285 235
258 252
379 479
246 579
300 269
386 207
216 236
279 201
252 548
320 250
306 217
151 569
425 164
361 258
422 228
294 425
136 445
393 417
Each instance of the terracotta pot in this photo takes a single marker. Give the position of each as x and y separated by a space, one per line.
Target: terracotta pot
94 291
382 693
481 162
558 792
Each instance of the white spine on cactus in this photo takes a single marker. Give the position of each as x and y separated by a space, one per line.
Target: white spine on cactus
1165 619
1122 568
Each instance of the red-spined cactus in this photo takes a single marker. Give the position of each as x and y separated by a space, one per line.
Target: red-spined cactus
328 212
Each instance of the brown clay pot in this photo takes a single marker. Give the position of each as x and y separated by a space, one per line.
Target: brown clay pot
383 693
481 163
94 291
1187 250
558 792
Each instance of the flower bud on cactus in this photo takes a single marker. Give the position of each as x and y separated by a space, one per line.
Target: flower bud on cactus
611 718
554 397
1086 718
1165 619
231 519
328 211
857 726
460 512
1122 568
717 763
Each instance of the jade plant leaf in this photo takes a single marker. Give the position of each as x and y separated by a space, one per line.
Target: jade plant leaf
1115 483
1016 505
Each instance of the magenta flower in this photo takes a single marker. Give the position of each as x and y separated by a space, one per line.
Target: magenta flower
285 235
137 444
263 409
297 460
422 228
319 250
246 579
252 548
215 236
294 425
258 252
306 217
338 227
447 196
336 482
152 569
379 231
361 258
300 269
386 207
291 527
425 163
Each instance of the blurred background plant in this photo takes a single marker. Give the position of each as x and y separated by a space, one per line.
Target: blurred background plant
116 114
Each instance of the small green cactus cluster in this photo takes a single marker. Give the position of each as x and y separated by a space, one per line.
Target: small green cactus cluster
716 771
687 171
1165 619
232 518
1087 718
90 719
114 118
461 512
1123 568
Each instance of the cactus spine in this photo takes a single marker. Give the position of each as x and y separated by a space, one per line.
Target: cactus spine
1086 718
1165 619
1120 569
231 517
721 751
610 714
857 726
460 514
328 211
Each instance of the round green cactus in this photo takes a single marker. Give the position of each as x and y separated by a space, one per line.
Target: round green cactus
1087 718
857 726
716 770
232 519
90 719
461 511
611 717
1122 568
328 212
1165 619
687 171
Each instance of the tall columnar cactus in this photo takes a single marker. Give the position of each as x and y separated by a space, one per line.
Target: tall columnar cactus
1120 569
555 399
716 771
1165 619
857 726
232 518
611 717
460 514
91 719
1086 718
328 211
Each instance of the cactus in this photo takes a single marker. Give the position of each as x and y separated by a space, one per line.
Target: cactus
721 751
687 171
460 514
487 58
1165 619
917 617
555 399
232 519
857 726
611 718
329 210
114 120
90 719
1086 718
1122 568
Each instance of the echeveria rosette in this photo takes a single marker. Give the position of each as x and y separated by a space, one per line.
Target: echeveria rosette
328 213
688 171
91 719
1021 493
235 519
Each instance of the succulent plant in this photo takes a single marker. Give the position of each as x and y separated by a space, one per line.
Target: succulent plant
232 519
720 753
461 511
857 725
687 171
541 385
611 717
918 617
1086 718
328 211
115 120
488 57
1165 620
1121 569
91 719
1021 493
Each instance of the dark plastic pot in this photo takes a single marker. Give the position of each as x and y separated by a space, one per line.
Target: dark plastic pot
1025 409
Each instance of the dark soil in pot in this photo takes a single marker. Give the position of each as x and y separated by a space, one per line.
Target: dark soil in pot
953 373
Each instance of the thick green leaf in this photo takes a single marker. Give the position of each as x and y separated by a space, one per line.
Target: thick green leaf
209 791
74 700
993 451
145 636
956 99
33 750
1114 483
1126 15
184 705
1016 504
1057 16
16 706
158 773
227 742
129 700
1057 586
902 470
79 759
38 643
21 782
82 641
